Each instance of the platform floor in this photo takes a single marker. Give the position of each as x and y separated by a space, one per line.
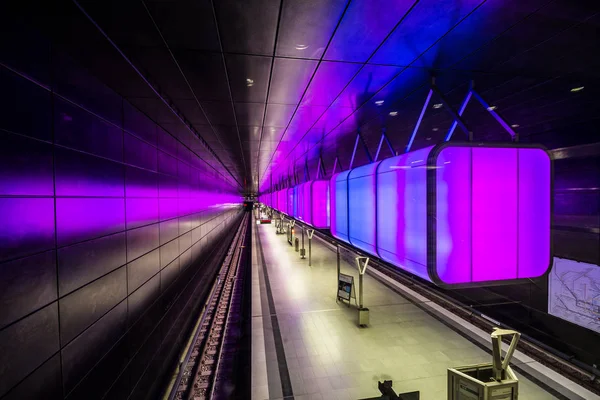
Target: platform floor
300 333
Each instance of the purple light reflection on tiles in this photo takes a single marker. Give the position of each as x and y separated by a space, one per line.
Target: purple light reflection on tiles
141 211
27 226
80 219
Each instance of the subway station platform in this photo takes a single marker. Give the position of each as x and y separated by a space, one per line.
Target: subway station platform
306 345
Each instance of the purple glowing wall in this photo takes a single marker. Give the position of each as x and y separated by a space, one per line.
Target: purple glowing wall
102 212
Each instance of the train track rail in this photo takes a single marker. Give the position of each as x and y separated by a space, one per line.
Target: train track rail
199 370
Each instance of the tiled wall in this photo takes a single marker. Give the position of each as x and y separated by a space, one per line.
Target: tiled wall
102 213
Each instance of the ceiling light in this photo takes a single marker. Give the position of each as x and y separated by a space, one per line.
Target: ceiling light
491 108
435 129
379 102
577 89
393 113
514 125
438 105
249 82
301 46
428 138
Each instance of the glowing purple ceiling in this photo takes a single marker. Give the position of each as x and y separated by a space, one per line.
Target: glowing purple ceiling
269 86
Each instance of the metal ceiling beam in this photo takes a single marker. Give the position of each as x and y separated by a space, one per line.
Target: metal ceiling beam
416 128
457 118
383 138
461 110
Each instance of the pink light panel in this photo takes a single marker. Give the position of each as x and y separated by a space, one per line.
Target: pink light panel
454 214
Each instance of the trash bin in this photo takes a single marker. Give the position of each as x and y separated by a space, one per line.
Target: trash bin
296 244
488 381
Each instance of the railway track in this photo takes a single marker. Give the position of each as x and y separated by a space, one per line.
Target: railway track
199 370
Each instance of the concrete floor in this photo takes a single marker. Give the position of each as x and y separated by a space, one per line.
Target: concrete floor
327 355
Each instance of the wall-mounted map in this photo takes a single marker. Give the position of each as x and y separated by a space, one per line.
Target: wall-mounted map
574 293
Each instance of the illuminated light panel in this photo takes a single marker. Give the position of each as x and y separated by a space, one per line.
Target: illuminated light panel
339 205
402 211
489 227
306 202
453 214
290 202
320 204
282 201
362 196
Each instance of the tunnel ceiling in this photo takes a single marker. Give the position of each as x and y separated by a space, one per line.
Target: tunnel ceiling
272 85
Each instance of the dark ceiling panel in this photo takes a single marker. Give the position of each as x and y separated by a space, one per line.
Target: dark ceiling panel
205 73
307 25
219 113
366 83
490 20
272 134
191 110
289 80
427 23
248 133
186 24
279 115
158 64
363 28
126 22
248 26
249 113
248 77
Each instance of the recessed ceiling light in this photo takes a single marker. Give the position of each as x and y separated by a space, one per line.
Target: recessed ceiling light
379 102
249 82
514 125
438 105
435 129
577 89
301 46
491 108
393 113
428 138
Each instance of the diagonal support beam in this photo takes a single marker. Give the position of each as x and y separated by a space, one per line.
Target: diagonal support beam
360 139
335 165
306 173
320 168
497 117
384 138
457 118
461 110
414 132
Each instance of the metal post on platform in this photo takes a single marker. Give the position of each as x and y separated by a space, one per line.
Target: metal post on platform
310 233
302 251
338 261
363 313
